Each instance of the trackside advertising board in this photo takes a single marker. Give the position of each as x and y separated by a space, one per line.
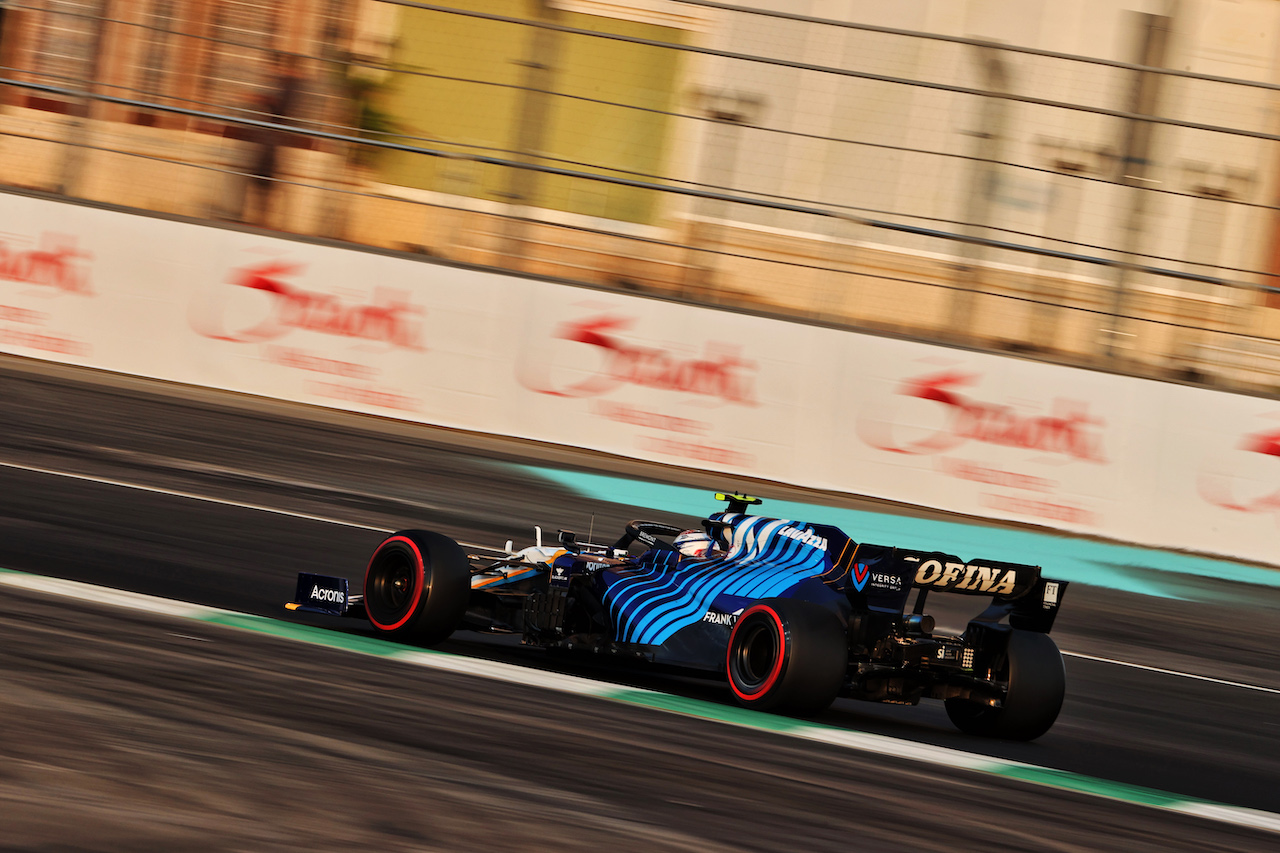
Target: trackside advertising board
981 434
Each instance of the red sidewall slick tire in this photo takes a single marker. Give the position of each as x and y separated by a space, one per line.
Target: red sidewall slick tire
394 579
416 586
787 655
757 655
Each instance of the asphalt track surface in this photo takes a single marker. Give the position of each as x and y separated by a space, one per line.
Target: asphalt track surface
135 732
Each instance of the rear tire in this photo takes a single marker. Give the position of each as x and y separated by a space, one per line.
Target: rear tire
1037 683
417 586
787 655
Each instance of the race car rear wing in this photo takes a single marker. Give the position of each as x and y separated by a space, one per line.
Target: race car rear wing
1016 590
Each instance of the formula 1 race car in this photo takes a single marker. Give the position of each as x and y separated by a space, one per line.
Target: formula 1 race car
791 614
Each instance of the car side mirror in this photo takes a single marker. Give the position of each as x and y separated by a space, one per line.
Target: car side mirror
569 541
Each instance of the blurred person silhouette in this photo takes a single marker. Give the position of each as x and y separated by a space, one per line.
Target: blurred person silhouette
278 104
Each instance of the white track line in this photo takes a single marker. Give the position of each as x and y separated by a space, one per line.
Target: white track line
1239 684
106 481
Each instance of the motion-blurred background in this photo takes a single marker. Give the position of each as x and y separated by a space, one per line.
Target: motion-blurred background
278 277
1091 182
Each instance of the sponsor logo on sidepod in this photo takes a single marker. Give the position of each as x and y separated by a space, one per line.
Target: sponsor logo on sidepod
808 537
860 575
881 580
726 619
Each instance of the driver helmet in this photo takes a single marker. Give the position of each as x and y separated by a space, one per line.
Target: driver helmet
694 543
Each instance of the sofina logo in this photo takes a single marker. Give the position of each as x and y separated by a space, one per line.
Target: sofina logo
56 264
229 313
1069 431
970 576
611 362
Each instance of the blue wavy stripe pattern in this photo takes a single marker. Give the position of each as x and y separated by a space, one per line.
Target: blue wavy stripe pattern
667 595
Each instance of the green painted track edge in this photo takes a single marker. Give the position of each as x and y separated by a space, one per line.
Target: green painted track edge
654 700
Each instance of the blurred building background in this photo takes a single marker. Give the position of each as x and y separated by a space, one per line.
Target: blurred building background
1092 182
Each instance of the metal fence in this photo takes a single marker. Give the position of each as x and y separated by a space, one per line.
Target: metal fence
1116 213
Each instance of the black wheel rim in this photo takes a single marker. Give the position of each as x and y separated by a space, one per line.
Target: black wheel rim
392 583
755 655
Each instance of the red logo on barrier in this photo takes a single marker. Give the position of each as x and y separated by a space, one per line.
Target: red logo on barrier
722 373
1265 443
54 264
391 319
1217 489
1070 431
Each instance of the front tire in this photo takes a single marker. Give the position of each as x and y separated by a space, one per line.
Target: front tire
787 655
1037 684
417 586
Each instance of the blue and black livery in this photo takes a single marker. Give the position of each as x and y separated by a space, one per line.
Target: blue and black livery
791 614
